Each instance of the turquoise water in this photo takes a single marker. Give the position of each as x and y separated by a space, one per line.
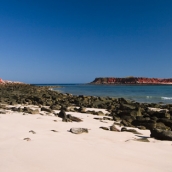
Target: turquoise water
149 94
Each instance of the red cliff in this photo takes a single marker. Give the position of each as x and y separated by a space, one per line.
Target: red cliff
132 80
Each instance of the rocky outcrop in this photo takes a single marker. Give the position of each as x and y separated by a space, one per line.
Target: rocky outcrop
9 82
132 80
161 134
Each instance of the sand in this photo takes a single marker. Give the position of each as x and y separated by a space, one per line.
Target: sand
96 151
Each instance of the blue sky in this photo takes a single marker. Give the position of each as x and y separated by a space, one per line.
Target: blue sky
74 41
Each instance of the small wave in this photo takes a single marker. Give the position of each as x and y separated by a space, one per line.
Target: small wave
166 98
149 97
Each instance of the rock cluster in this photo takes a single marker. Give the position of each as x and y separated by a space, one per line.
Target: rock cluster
126 113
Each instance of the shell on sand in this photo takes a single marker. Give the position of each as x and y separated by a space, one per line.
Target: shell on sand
78 130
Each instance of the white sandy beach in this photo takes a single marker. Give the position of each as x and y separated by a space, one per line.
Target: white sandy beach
96 151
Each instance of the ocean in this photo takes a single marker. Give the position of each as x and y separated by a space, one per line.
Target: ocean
144 94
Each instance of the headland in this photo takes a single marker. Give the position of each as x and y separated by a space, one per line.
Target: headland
132 81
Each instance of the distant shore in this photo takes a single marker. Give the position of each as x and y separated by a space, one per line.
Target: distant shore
132 81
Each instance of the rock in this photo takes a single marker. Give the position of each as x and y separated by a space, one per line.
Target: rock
36 111
66 120
73 118
139 113
141 127
161 134
78 130
162 126
98 118
107 118
55 107
100 113
142 140
2 106
82 109
149 124
167 122
104 128
14 109
46 109
126 123
113 128
3 112
129 130
62 114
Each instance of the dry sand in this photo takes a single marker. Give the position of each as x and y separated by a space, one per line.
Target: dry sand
96 151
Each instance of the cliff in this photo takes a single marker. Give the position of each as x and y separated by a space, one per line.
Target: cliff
132 81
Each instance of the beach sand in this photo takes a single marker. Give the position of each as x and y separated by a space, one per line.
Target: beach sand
96 151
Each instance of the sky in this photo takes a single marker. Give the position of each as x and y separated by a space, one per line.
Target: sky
75 41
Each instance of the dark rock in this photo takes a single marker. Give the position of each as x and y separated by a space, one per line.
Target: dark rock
98 118
167 122
14 109
55 107
161 134
62 114
2 106
113 128
141 127
126 123
82 109
149 124
73 118
35 111
162 126
104 128
99 113
66 120
129 130
46 109
107 118
142 140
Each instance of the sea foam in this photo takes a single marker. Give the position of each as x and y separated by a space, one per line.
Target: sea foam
166 98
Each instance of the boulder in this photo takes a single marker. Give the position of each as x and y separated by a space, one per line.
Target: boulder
78 130
129 130
46 109
161 134
149 124
104 128
73 118
62 114
113 128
